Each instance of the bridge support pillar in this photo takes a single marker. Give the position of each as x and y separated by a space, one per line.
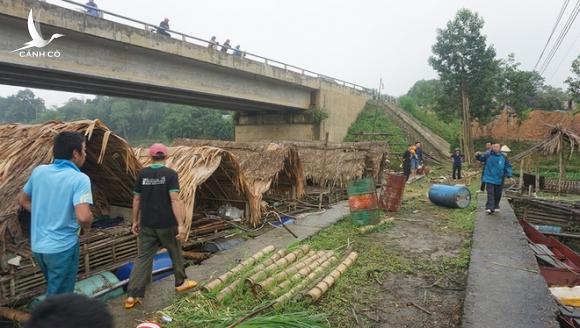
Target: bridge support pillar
251 126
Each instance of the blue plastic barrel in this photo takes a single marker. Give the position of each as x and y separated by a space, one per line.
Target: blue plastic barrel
548 228
97 283
91 286
449 196
160 261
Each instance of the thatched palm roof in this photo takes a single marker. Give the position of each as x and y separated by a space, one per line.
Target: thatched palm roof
336 164
210 173
263 166
553 143
110 162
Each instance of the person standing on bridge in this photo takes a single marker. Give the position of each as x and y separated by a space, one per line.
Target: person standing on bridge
237 51
497 168
164 27
226 46
92 9
213 44
158 221
58 197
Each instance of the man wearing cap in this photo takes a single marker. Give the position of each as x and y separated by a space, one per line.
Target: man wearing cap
497 168
158 221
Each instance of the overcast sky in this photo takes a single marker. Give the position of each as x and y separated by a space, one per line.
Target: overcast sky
358 41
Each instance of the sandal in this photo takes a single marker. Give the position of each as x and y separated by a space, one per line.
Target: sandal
130 302
187 284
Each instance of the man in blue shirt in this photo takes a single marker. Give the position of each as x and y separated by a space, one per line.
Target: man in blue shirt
92 9
497 168
58 196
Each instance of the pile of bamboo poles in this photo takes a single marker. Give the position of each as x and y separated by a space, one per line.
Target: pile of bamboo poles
281 275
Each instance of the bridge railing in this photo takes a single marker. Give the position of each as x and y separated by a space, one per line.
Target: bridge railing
248 55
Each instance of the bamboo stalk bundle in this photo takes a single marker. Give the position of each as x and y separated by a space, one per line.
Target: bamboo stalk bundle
301 274
236 283
281 300
286 273
327 282
249 261
14 315
280 264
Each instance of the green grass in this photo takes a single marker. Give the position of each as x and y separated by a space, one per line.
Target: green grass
373 119
446 130
377 260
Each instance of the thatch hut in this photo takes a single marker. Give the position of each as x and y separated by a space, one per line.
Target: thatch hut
560 141
208 177
267 168
334 165
112 168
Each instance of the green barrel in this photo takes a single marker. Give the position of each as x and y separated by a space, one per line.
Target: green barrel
362 186
362 218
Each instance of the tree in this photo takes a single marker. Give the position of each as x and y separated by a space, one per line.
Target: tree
22 107
574 80
550 99
519 89
466 67
425 92
187 122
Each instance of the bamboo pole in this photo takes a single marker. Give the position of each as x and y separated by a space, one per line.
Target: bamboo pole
521 180
280 301
14 315
286 273
281 263
303 273
249 261
235 284
561 153
327 282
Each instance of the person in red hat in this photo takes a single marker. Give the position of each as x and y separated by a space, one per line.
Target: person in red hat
158 221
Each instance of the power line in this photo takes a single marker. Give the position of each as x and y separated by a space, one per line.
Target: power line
561 37
568 52
564 6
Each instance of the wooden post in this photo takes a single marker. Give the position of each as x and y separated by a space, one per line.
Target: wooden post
561 168
537 180
325 154
521 182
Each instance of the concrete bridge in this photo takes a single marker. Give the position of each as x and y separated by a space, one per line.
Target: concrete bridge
101 56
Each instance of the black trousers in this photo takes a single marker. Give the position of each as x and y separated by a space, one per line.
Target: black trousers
457 169
150 241
493 196
482 187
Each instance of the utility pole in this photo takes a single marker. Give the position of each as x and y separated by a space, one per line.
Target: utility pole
378 104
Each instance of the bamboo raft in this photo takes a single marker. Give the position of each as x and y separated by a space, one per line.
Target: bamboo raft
538 211
102 250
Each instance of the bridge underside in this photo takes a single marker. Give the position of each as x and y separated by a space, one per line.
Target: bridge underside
32 77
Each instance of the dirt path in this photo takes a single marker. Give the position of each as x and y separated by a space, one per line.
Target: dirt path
410 274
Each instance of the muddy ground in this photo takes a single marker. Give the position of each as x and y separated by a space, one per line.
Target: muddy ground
410 274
